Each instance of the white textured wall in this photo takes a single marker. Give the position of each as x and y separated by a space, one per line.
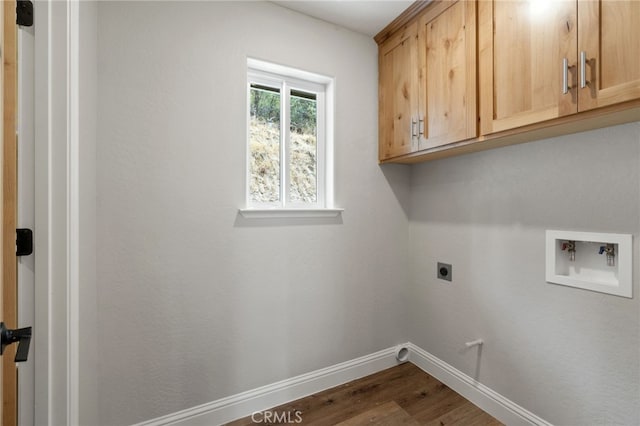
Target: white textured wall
88 91
194 303
570 356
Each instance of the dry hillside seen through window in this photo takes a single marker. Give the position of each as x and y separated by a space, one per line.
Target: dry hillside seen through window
266 145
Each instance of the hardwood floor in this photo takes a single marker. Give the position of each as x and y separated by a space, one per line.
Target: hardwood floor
402 395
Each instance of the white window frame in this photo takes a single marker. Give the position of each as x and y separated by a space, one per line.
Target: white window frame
286 79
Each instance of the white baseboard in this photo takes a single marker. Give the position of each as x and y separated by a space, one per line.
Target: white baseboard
246 403
503 409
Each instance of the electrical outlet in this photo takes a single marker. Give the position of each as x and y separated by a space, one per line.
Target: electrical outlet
444 271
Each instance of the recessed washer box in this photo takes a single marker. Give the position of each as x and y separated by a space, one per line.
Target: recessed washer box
590 269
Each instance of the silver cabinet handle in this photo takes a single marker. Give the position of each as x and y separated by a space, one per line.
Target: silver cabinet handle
583 69
414 125
421 127
565 76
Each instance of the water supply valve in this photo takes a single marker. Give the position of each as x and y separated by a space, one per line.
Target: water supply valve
589 270
609 250
570 247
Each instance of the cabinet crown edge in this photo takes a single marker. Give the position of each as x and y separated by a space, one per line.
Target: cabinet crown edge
403 19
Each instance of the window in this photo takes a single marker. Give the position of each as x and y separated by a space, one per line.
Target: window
288 139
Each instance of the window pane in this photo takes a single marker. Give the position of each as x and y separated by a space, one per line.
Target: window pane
264 144
303 150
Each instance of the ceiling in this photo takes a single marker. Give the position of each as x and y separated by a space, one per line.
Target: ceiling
363 16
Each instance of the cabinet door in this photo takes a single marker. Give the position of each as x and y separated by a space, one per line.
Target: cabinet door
447 45
398 94
609 36
523 45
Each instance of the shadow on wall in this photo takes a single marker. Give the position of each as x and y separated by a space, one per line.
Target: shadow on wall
399 178
477 349
243 222
571 182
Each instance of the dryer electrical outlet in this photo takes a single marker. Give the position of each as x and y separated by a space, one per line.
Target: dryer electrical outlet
445 271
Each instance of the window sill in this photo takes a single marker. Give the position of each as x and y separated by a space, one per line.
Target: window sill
288 213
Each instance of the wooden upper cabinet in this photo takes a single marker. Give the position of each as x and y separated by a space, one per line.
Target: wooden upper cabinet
541 60
398 93
447 44
427 83
527 53
609 36
458 76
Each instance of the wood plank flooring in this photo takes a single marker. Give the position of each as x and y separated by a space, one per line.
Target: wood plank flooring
402 395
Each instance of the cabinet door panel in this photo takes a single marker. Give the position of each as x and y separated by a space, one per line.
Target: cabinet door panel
398 93
522 49
609 34
448 74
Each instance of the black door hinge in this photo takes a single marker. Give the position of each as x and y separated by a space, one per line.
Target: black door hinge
24 13
24 242
21 336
